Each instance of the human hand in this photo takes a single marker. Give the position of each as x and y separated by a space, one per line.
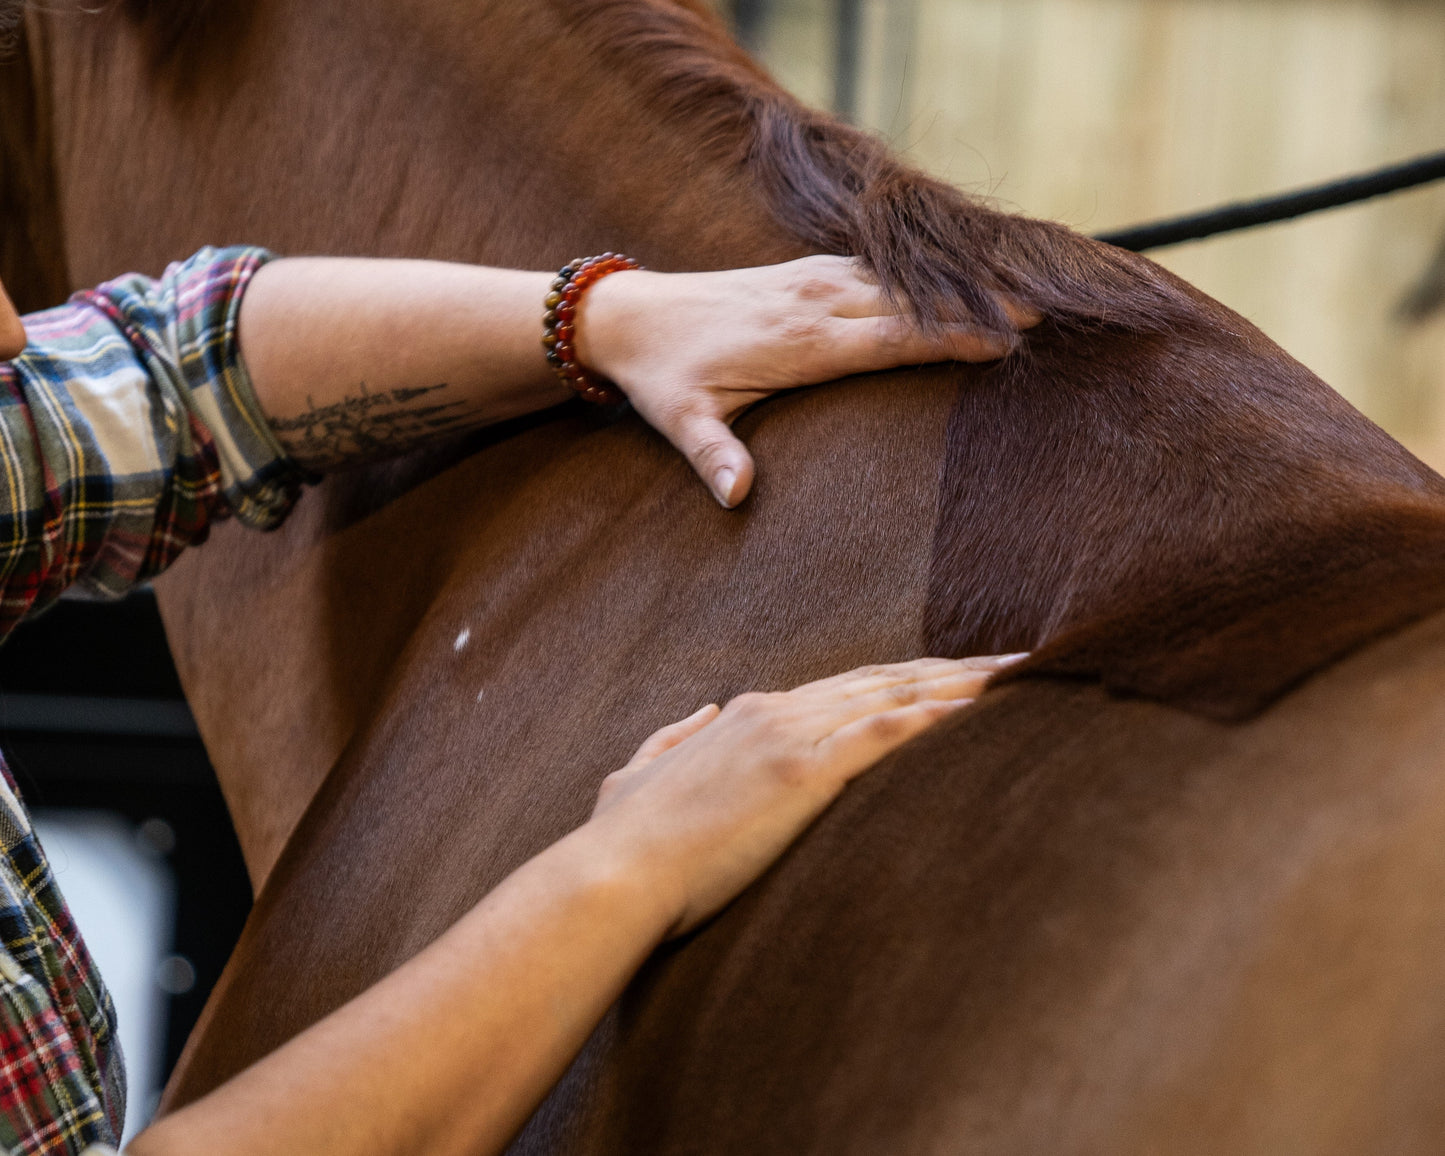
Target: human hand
693 350
707 804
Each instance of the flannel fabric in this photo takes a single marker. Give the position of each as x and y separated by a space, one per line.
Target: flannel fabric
127 426
62 1078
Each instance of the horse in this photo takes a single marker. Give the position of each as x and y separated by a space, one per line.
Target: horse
1174 884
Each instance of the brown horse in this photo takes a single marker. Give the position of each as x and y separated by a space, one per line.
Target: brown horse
1176 888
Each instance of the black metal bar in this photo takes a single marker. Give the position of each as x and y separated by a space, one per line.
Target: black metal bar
847 57
1268 210
79 714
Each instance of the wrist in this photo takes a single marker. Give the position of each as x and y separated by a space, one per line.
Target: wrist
608 317
623 876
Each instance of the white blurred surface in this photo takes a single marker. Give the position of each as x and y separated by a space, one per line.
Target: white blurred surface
122 895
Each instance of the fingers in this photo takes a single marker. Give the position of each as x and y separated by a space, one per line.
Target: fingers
715 453
865 344
943 686
870 678
853 748
874 710
1022 316
835 704
849 289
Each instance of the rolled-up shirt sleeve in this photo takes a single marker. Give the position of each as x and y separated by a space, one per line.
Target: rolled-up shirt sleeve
127 427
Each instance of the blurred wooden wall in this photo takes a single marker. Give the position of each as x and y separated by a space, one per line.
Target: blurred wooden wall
1103 113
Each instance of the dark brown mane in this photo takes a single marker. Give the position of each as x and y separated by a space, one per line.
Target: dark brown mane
840 190
1176 622
1175 372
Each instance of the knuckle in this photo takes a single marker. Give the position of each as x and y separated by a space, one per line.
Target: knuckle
798 327
892 336
752 705
816 285
820 277
903 694
886 726
707 449
791 768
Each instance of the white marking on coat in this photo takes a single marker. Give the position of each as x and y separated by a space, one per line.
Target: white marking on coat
479 695
462 639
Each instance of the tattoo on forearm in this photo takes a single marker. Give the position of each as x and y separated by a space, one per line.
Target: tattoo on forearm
367 426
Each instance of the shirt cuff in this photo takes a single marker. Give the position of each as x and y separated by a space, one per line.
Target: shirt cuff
259 481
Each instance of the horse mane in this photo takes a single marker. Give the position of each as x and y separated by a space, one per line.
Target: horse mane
837 189
1221 625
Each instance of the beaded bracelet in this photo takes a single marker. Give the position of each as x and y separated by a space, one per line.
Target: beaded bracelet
559 325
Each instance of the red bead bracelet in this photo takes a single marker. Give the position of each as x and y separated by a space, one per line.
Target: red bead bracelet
559 325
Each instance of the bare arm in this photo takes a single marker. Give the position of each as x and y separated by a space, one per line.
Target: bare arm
354 359
454 1050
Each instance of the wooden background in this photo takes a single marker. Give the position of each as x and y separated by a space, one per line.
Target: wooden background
1104 113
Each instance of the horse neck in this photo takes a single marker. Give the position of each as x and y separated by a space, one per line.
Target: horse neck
449 130
489 133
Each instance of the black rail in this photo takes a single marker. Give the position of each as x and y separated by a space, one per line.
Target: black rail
1268 210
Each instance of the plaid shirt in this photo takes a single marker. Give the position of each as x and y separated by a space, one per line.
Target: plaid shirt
126 427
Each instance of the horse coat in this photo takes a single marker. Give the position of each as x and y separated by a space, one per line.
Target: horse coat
1175 886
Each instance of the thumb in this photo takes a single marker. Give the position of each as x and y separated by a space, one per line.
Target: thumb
718 457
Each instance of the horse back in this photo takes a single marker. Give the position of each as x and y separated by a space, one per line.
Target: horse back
1059 921
1072 923
551 601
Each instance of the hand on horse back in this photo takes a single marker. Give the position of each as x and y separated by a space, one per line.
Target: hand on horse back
702 809
708 803
459 344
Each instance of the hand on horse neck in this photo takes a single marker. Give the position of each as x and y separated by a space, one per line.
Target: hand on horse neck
355 360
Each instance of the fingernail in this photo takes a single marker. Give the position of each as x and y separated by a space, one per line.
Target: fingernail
1010 659
723 483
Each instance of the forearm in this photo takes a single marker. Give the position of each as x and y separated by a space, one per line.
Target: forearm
354 359
450 1053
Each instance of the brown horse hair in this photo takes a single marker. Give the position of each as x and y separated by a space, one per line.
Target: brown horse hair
1208 438
174 26
32 255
